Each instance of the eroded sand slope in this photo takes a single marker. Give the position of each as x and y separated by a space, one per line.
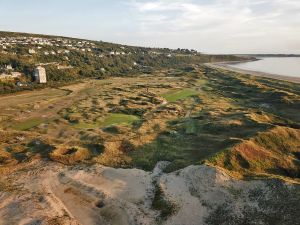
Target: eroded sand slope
50 193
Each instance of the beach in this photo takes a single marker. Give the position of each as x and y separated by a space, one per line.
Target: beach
227 66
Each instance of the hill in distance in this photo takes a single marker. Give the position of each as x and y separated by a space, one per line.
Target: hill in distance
69 59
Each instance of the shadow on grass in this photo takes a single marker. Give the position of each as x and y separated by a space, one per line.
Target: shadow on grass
191 141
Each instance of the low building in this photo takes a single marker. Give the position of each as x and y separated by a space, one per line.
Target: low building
9 67
16 74
31 51
59 67
10 76
40 75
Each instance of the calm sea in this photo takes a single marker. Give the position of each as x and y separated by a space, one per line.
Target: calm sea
286 66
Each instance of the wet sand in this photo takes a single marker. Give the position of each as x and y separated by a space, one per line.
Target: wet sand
227 66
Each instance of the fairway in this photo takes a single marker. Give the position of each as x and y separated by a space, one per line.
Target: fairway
118 118
83 125
176 95
28 124
31 96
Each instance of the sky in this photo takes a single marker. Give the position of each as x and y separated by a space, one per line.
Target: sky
210 26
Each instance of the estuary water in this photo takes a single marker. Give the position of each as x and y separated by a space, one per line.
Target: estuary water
285 66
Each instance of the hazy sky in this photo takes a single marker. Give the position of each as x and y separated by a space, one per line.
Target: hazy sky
214 26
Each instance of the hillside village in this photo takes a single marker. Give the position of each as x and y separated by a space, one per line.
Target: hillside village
38 45
41 46
63 46
68 59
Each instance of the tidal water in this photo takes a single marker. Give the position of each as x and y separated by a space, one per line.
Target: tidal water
285 66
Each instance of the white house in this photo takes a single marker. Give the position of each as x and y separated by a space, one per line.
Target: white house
31 51
9 67
40 75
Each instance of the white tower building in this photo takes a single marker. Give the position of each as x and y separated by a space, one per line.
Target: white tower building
40 75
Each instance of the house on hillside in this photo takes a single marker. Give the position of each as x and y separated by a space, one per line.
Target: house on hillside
31 51
10 76
9 67
40 75
16 74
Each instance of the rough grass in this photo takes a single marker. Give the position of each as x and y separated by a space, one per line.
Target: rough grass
69 154
113 156
229 121
272 152
4 156
192 140
175 95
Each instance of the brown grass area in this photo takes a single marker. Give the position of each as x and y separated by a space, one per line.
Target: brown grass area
69 155
4 156
251 151
113 155
272 152
228 119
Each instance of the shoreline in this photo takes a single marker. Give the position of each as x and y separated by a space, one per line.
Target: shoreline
226 66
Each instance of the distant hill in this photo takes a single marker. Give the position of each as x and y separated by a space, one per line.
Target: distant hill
69 59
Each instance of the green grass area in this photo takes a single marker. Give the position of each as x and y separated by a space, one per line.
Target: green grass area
83 125
173 96
28 124
118 118
202 81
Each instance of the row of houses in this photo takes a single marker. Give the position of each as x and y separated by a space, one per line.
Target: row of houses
36 44
40 45
43 41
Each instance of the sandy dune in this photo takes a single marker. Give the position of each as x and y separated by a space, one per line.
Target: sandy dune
50 193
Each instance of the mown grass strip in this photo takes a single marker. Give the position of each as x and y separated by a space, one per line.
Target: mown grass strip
118 118
82 125
175 95
28 124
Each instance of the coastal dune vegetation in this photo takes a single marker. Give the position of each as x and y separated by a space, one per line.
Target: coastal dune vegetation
206 115
131 135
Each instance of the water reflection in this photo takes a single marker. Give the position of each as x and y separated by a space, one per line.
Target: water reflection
286 66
